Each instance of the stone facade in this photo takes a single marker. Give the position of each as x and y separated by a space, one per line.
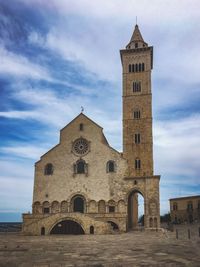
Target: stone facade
83 184
185 209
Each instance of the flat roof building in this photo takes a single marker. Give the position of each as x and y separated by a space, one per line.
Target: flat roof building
185 209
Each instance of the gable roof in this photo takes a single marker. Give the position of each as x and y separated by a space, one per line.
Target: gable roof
82 115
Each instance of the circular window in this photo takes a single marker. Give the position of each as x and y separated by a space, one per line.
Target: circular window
81 146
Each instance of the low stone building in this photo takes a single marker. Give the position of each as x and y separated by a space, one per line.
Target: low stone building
185 209
83 185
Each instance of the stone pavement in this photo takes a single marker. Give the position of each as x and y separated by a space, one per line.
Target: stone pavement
129 249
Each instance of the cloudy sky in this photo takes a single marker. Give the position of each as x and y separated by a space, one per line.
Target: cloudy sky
59 55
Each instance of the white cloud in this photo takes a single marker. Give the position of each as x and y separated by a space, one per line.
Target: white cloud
177 145
122 9
95 45
24 151
16 168
18 65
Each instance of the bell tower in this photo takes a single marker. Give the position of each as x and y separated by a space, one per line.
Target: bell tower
137 63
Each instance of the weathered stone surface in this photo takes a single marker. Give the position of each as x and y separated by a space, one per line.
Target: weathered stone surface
129 249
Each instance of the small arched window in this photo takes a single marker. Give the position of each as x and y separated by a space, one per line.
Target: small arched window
80 167
110 166
142 66
136 67
133 68
137 138
136 114
81 126
136 87
111 206
46 207
91 229
129 67
137 164
48 170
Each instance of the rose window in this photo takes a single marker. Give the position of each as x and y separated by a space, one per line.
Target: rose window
81 146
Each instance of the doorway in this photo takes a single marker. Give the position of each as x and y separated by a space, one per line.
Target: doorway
67 227
135 210
78 204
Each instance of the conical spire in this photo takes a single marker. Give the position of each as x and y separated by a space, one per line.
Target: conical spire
137 40
137 36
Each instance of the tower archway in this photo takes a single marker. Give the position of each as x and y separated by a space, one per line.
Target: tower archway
135 210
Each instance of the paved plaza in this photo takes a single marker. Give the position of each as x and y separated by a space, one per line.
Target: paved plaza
128 249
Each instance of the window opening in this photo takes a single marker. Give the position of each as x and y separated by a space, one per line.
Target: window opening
137 164
48 169
137 138
111 208
136 114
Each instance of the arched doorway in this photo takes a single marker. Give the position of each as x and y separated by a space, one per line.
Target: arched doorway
67 227
78 204
42 231
114 226
135 210
91 229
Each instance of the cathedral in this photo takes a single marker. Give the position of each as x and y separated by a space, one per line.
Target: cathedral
83 185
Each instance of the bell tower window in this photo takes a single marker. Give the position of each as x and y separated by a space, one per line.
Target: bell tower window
136 114
137 138
136 86
137 164
142 66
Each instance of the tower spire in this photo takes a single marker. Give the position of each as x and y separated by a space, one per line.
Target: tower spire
137 40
